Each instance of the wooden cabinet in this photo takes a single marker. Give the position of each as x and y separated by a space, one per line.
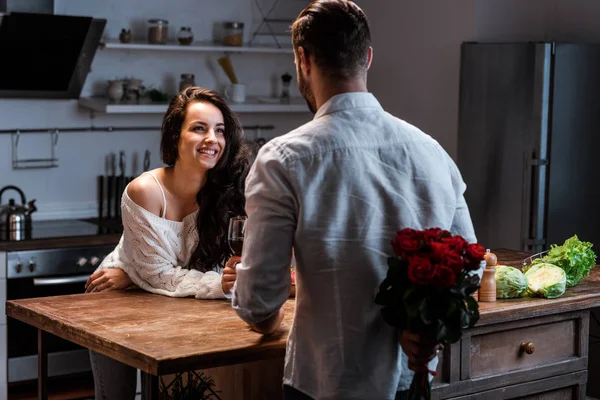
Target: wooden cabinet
522 348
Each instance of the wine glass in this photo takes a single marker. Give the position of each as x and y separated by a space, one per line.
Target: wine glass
235 236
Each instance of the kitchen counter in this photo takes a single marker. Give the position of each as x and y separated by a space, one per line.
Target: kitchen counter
96 233
75 241
162 335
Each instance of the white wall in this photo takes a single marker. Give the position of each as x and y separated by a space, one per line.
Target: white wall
415 74
70 191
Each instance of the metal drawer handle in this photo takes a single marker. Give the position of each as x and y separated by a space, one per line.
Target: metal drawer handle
527 347
60 281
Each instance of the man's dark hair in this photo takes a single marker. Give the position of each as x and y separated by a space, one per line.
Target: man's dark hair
336 34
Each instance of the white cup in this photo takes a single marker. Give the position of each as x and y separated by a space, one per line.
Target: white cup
236 93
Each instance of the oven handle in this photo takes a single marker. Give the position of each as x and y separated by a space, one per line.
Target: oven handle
60 281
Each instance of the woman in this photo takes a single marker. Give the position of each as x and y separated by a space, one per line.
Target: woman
175 219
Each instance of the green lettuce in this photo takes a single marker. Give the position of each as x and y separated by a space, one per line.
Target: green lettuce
575 257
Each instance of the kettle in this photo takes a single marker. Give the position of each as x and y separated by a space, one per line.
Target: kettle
15 220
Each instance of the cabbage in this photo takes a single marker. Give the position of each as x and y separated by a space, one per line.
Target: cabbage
510 282
546 280
576 258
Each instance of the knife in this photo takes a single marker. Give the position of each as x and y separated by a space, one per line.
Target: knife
146 160
110 182
120 184
101 191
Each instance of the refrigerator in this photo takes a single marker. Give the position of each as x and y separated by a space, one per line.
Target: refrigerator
529 142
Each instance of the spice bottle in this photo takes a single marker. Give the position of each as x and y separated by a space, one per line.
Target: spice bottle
125 35
285 88
234 33
158 31
487 288
187 80
185 36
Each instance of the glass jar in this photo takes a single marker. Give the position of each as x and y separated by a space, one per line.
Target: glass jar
185 36
234 33
158 31
187 80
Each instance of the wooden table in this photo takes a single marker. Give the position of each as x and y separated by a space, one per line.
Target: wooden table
162 335
158 335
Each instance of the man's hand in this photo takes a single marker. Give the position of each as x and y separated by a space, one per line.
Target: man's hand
419 349
108 279
269 326
229 274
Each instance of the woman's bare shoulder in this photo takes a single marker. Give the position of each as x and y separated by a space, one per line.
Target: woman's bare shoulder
144 192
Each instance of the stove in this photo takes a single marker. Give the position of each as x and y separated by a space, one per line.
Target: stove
52 258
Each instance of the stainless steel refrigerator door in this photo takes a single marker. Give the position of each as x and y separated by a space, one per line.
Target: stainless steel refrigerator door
502 128
574 146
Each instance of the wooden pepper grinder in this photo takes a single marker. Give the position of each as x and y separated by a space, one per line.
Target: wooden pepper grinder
487 288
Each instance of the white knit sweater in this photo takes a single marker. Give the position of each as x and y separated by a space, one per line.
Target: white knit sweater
154 251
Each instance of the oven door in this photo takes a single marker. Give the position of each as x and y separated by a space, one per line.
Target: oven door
64 357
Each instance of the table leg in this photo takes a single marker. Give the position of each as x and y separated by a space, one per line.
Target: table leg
150 386
42 366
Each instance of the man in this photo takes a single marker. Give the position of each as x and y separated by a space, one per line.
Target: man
336 190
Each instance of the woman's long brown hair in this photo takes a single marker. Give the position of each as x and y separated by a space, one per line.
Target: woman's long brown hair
222 196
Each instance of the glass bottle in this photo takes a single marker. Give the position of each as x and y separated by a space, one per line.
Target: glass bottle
234 33
185 36
158 31
286 79
187 80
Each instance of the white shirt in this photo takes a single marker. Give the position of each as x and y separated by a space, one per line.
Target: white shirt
155 253
336 190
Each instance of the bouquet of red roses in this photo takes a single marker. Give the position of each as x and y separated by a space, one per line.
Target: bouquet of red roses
428 289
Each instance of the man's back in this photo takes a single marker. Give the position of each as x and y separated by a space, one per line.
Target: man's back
354 176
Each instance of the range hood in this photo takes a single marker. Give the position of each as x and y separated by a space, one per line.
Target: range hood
46 55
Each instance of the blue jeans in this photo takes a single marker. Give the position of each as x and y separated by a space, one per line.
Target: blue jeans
113 380
293 394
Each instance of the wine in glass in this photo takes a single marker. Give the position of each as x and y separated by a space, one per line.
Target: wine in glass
235 236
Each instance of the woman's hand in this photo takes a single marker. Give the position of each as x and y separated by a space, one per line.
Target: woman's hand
229 274
108 279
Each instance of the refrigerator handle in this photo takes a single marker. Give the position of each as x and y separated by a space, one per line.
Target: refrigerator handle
526 203
531 233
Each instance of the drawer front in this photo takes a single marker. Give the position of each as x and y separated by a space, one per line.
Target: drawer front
557 394
507 350
560 387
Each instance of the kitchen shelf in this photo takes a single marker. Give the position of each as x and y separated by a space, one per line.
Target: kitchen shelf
196 47
103 105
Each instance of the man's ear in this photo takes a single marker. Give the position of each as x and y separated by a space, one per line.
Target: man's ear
305 64
369 57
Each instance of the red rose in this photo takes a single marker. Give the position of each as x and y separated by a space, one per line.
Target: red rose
439 251
420 270
453 261
443 277
473 256
434 235
475 251
407 232
457 243
406 242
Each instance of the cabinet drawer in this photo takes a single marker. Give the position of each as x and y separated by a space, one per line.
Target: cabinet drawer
501 351
562 387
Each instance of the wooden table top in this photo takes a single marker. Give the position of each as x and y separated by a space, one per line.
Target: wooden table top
157 334
162 335
583 296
